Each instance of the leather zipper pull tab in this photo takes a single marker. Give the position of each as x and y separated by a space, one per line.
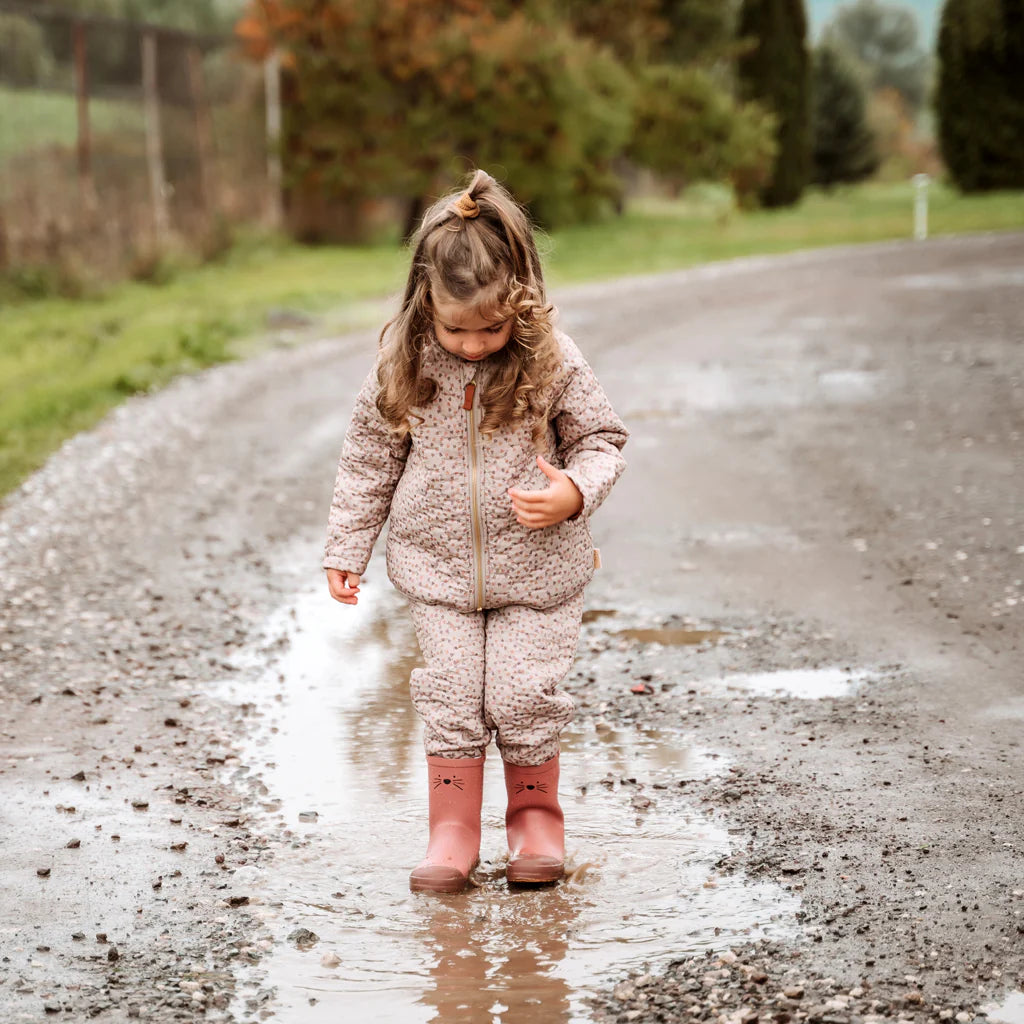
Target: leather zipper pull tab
470 392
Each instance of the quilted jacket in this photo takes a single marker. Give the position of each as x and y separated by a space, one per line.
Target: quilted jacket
453 537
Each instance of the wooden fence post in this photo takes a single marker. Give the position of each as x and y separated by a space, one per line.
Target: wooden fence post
86 186
154 140
275 176
204 131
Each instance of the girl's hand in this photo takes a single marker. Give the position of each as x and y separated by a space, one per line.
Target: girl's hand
558 501
344 586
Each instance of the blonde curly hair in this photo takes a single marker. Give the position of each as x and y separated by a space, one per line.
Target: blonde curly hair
474 247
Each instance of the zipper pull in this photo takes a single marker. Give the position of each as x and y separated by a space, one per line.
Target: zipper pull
470 392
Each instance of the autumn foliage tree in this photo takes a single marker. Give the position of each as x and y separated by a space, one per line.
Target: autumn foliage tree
394 98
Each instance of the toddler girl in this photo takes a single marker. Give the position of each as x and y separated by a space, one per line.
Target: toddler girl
485 437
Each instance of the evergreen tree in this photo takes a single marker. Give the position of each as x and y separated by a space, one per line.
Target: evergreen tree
980 101
776 71
844 146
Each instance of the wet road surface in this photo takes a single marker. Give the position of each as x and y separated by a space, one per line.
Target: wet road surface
812 591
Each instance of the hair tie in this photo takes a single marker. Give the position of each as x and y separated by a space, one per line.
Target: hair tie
466 207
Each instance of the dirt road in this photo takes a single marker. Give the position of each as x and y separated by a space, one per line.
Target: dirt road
813 569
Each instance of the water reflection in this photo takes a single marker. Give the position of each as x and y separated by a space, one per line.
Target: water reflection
501 961
341 739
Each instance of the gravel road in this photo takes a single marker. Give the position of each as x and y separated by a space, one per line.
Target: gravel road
813 567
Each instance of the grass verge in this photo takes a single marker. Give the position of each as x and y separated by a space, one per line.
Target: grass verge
64 363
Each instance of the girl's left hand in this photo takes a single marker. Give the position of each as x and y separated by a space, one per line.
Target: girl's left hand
558 501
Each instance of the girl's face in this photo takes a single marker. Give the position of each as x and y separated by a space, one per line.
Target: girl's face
463 332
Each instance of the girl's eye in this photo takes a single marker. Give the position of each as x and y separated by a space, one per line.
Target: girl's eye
496 330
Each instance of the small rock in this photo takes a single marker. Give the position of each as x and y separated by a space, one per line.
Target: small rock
51 1007
304 938
793 993
237 901
43 872
309 816
140 805
112 954
73 844
179 847
912 997
624 991
330 960
79 776
78 936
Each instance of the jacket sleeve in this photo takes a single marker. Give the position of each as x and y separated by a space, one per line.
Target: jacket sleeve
590 434
371 464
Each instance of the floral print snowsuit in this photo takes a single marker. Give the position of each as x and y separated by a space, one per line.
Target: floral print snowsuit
496 605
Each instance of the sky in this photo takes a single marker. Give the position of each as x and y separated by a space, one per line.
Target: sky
927 11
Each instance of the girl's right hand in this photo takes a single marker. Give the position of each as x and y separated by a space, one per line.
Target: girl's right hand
344 585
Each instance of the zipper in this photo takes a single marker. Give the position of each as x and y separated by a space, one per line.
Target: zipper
477 526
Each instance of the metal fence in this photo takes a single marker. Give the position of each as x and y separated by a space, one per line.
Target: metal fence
120 140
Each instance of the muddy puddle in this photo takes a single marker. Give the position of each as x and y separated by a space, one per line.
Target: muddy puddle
1009 1011
804 683
340 756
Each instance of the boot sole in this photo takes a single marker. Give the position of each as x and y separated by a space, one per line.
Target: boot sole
541 874
448 885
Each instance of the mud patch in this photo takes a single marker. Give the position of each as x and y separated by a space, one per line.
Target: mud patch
672 637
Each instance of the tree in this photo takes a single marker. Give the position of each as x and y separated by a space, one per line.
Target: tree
395 98
980 99
882 38
775 71
697 31
844 145
689 129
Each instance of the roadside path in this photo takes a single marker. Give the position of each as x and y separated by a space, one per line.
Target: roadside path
825 467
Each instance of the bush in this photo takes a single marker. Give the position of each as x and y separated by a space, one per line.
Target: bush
688 128
394 99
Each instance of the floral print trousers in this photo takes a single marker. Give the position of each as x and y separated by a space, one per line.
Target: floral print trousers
495 672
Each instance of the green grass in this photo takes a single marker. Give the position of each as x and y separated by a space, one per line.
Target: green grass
658 235
30 119
64 363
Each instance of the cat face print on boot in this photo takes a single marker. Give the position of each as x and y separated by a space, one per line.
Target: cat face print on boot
523 787
455 781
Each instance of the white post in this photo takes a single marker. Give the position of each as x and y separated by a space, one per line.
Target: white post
272 88
921 182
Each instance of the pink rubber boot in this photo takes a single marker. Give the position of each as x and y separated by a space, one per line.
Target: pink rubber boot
534 823
456 792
